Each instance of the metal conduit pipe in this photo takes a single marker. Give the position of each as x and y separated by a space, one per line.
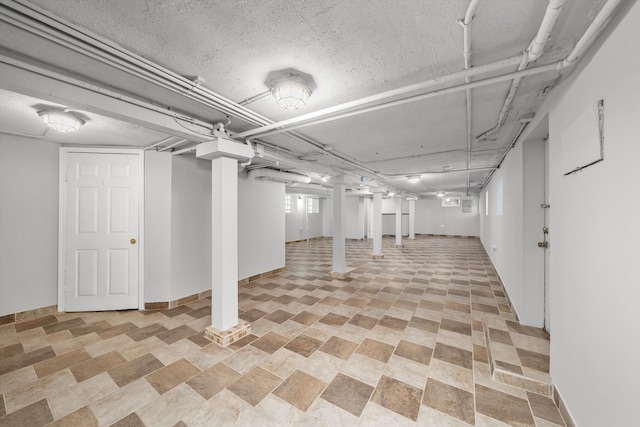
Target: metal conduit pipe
42 23
440 172
208 127
155 144
592 31
437 92
533 52
277 176
434 153
168 147
579 49
466 30
38 21
460 75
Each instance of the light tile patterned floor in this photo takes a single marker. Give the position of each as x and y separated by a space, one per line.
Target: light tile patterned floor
401 342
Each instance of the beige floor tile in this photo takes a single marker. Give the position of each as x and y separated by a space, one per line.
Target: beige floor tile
283 362
451 374
255 385
171 407
79 395
348 393
324 414
120 403
408 371
432 417
208 356
323 366
246 359
300 390
17 378
375 415
364 369
40 389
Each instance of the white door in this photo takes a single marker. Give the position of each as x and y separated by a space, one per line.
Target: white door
101 250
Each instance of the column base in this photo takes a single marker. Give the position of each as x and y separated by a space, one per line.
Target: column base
233 334
377 256
340 276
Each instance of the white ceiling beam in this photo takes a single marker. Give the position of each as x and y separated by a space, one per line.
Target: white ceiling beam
28 79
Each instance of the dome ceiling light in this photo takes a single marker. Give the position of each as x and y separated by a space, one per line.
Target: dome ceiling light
290 88
62 121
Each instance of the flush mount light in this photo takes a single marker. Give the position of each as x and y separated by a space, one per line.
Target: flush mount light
290 88
440 194
324 178
61 121
413 179
391 194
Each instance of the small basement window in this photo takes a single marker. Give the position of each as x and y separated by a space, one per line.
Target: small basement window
287 203
450 202
312 205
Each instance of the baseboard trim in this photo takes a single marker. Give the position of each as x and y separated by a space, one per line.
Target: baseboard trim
164 305
562 407
24 316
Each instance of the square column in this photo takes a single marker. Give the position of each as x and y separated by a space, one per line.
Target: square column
339 233
224 155
412 217
377 223
399 222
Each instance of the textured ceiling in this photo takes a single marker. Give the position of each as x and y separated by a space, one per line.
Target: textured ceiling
352 49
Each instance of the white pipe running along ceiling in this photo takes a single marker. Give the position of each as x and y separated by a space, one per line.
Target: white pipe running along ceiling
272 174
36 20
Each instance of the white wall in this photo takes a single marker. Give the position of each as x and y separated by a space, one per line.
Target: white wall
296 226
28 224
157 245
355 220
178 226
502 234
190 226
432 218
261 227
594 238
594 235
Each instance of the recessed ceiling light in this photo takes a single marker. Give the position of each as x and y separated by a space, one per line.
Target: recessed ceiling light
440 194
413 179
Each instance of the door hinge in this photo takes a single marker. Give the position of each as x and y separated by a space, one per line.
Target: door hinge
545 206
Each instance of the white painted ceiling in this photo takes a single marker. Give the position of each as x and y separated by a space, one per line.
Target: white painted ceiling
352 49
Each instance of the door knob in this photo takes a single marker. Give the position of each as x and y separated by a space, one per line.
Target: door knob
133 241
543 244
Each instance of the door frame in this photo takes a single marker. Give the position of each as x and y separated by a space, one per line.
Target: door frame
62 216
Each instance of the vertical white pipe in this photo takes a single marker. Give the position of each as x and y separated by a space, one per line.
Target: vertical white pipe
412 219
399 221
339 263
377 224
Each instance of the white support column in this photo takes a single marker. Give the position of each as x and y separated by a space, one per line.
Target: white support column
224 155
339 232
377 223
412 217
399 222
224 198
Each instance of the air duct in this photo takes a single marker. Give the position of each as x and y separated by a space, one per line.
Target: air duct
275 175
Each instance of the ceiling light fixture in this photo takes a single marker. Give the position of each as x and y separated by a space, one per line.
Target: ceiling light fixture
413 179
440 194
290 88
391 194
61 121
324 178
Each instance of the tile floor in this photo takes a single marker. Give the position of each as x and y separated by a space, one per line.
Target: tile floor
402 342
